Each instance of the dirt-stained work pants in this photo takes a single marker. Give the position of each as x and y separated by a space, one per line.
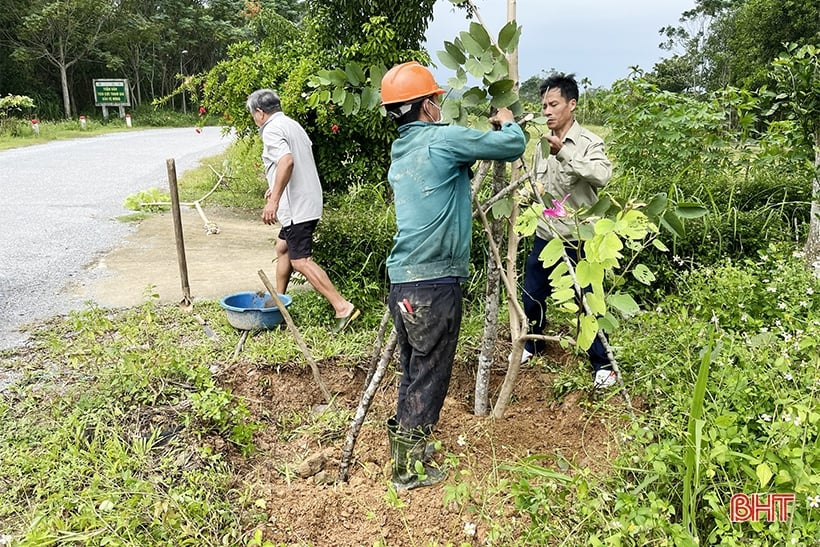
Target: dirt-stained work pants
427 318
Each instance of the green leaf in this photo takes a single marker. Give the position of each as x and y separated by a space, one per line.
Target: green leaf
588 332
471 46
337 77
474 68
451 110
455 52
656 205
527 221
671 222
563 295
502 208
604 226
501 86
552 252
624 303
596 303
508 37
690 210
355 74
643 274
589 273
609 246
447 60
600 208
480 35
633 224
764 474
504 100
658 244
473 97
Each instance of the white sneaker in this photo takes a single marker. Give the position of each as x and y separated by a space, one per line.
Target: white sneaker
525 356
604 379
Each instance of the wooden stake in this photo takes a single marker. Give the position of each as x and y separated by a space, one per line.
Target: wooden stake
292 327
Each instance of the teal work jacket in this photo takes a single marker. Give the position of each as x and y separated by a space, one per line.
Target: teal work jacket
430 177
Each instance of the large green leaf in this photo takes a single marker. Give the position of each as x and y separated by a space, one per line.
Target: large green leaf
480 35
624 303
504 100
643 274
471 46
508 37
690 210
563 295
596 303
502 208
447 60
473 96
588 332
451 110
589 273
355 74
552 252
656 205
527 221
501 86
455 52
672 222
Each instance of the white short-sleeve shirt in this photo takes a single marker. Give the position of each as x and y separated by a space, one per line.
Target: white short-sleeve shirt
302 199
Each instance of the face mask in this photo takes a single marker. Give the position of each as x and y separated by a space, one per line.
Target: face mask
437 108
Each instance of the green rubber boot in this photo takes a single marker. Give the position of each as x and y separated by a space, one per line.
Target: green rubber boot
407 452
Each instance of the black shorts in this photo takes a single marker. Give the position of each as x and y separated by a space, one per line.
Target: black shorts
299 238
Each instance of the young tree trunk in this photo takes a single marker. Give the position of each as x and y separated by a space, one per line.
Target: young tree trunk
812 247
491 306
64 85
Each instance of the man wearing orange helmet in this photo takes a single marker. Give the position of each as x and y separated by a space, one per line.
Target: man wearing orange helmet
430 177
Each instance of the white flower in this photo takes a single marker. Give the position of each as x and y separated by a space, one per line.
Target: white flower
794 541
787 417
796 420
788 376
782 305
744 317
771 289
766 417
462 440
814 502
803 304
469 529
615 524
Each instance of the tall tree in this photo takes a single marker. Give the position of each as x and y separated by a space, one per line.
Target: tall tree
732 42
62 33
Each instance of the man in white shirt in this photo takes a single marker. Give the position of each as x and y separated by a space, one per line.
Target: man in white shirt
294 199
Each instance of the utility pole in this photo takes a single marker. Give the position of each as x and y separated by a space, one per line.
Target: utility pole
184 106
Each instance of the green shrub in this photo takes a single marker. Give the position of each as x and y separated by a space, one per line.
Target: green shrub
353 241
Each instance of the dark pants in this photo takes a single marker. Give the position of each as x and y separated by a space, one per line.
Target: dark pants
537 290
427 319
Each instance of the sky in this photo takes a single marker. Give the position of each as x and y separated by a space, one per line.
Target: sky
595 39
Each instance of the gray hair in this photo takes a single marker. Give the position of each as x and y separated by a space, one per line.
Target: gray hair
265 100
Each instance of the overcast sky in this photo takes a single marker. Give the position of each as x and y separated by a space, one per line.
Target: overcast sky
595 39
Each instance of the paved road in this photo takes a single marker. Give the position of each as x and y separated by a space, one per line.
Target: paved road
59 206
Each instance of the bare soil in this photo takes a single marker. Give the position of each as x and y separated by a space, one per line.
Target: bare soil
313 510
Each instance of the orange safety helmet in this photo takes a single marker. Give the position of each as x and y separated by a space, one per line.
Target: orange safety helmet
406 82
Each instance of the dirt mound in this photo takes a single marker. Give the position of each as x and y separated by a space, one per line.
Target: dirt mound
314 511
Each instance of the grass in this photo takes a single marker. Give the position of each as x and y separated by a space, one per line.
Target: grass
17 133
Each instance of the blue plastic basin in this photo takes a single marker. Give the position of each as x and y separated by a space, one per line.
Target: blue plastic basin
247 311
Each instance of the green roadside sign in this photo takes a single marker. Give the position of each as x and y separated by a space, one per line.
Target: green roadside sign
111 93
